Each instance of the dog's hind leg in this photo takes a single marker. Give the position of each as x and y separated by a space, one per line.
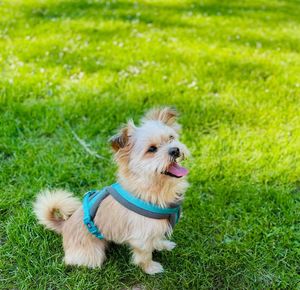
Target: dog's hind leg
91 254
80 246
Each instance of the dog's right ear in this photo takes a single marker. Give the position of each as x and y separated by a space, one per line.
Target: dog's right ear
165 115
121 140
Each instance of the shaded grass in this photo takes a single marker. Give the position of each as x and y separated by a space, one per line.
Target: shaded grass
231 69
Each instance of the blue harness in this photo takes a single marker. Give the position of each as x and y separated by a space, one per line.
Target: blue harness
92 200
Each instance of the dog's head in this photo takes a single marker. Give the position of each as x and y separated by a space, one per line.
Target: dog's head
151 151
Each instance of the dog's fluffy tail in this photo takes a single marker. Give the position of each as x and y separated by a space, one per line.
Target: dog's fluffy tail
53 208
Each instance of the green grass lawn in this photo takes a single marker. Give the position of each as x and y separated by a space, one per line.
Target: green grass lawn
232 68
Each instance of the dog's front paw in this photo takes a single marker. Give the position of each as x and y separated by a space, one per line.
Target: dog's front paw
154 268
165 245
169 246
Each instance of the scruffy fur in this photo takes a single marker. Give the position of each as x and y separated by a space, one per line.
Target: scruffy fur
139 172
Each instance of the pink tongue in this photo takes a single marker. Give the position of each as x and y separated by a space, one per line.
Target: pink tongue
177 170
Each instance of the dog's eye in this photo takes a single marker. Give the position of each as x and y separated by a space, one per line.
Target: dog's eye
152 149
171 137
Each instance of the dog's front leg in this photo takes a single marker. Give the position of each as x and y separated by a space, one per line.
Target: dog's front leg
160 245
142 256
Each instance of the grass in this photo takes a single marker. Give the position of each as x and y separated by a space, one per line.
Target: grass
232 68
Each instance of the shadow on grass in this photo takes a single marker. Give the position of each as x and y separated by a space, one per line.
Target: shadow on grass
169 16
162 15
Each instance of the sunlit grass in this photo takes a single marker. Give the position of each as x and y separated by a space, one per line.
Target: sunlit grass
232 68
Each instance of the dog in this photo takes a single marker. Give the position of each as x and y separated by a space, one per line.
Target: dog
148 159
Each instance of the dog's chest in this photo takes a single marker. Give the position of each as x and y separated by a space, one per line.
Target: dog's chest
120 224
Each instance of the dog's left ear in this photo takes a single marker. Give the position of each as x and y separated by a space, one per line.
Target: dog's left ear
166 115
121 140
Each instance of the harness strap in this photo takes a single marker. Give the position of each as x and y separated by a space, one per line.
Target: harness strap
93 199
91 202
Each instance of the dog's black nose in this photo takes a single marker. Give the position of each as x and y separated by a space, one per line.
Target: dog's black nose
174 152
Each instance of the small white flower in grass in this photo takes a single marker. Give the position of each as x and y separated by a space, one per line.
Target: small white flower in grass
123 74
11 81
116 43
193 84
144 63
76 77
42 70
258 45
182 82
139 35
134 70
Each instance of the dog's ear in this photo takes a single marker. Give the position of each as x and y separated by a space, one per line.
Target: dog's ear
121 140
166 115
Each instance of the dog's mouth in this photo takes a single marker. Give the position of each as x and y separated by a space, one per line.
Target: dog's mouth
175 170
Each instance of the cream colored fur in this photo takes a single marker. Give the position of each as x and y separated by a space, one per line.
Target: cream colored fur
139 173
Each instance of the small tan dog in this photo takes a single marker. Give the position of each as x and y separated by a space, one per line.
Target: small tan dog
147 158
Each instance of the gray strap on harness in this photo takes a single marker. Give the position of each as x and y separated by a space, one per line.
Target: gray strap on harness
97 198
